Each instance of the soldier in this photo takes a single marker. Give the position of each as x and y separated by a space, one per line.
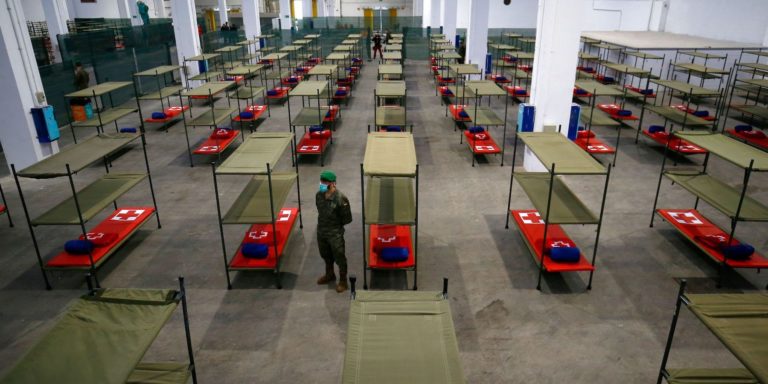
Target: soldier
333 212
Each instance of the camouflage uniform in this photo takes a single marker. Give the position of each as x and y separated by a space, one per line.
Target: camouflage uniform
330 230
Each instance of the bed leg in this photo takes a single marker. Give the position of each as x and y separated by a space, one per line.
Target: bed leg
352 281
278 282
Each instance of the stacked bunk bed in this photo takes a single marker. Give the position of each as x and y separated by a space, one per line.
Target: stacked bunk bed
390 204
555 203
478 137
702 71
165 91
102 338
416 344
720 245
319 121
277 92
596 116
250 113
262 203
95 245
752 110
205 62
390 112
102 116
389 72
739 321
221 137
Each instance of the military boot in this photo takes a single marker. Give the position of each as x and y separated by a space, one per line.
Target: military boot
342 286
328 277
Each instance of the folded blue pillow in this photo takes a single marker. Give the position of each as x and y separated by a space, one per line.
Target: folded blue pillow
158 115
394 254
701 113
738 251
128 130
588 69
656 129
608 79
463 114
328 114
743 128
624 112
393 128
565 254
580 91
78 247
246 115
316 128
341 92
647 91
255 251
501 78
521 92
272 92
447 92
476 129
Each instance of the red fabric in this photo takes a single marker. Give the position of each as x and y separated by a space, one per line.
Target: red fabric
444 91
558 242
525 68
389 236
100 239
486 146
511 89
222 133
455 110
262 234
690 111
532 228
334 109
582 94
675 143
214 144
638 90
445 80
282 92
756 138
2 208
287 80
344 96
496 78
257 111
695 227
613 110
170 114
311 144
122 222
594 145
585 134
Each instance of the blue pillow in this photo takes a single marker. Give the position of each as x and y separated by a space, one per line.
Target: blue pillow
656 129
447 92
565 254
158 115
608 79
521 92
463 114
701 113
743 128
128 130
738 251
624 112
328 114
394 254
647 91
255 251
580 91
476 129
78 247
501 78
246 115
316 128
341 92
588 69
393 128
272 92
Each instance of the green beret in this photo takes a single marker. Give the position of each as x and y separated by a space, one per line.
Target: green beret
328 175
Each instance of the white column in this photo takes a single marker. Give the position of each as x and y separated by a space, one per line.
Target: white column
477 32
251 22
56 16
185 30
449 19
128 10
417 8
306 9
223 16
435 14
321 8
160 9
555 57
285 14
765 37
22 90
426 12
70 9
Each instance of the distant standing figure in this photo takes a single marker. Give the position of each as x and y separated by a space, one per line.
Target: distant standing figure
82 78
143 11
225 26
377 45
463 50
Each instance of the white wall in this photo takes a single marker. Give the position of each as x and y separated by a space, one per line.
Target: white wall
738 20
519 14
354 8
33 10
101 8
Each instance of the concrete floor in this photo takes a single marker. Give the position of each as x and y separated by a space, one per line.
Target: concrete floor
508 332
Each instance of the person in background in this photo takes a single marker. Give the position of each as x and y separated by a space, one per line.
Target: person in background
225 26
386 37
82 78
333 213
376 45
143 11
463 50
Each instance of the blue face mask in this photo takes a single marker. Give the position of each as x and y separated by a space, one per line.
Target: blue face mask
323 188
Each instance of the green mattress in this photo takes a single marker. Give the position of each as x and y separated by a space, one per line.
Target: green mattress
252 156
390 200
390 154
252 206
554 148
719 195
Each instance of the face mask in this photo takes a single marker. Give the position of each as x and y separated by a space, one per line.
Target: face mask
323 188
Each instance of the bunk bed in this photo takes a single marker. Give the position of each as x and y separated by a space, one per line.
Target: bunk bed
739 321
555 204
103 240
221 138
416 344
277 92
317 135
731 201
595 116
479 139
206 69
390 204
252 112
261 204
390 116
165 90
390 72
102 116
103 336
